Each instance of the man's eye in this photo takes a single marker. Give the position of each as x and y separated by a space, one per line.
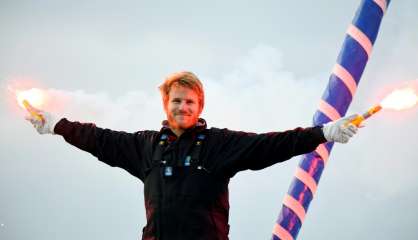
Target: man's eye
176 101
190 102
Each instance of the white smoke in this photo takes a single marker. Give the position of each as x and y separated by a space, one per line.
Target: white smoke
259 95
127 112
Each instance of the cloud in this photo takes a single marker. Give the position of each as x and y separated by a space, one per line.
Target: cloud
259 95
256 95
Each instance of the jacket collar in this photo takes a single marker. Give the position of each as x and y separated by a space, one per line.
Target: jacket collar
200 126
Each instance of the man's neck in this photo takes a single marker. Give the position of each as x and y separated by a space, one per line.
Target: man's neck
177 131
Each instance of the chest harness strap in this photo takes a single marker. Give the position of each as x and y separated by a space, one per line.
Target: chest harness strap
191 160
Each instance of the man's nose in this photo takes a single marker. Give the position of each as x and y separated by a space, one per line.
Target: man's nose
182 106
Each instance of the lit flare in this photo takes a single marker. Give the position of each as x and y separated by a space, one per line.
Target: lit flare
33 111
34 96
31 100
399 99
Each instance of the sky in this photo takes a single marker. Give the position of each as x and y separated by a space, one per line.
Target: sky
264 65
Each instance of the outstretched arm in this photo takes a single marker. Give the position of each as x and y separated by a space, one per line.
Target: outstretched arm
242 150
115 148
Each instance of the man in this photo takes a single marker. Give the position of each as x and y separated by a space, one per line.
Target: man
186 167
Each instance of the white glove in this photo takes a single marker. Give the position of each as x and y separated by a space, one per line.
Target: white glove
340 130
47 125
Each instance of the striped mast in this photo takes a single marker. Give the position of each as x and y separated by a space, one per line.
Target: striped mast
342 85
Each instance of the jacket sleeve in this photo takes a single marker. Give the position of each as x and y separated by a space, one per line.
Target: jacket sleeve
115 148
241 150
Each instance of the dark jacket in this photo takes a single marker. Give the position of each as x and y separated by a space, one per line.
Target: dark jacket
192 202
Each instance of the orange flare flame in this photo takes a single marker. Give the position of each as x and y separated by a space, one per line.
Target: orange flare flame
34 96
400 99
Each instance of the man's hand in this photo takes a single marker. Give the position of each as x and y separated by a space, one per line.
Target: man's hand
46 124
340 130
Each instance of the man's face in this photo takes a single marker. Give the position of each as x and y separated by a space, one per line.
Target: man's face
183 108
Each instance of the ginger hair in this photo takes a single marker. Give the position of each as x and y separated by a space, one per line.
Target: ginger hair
183 79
